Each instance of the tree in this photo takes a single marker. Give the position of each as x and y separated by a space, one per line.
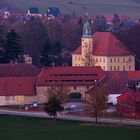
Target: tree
58 90
53 106
46 56
2 44
12 48
96 101
56 95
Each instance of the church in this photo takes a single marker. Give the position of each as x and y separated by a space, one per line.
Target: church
103 49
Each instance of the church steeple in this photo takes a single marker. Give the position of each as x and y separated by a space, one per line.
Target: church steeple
87 30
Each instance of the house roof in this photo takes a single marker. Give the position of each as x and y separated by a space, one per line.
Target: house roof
33 10
133 75
18 70
129 97
18 79
71 75
114 82
106 44
14 86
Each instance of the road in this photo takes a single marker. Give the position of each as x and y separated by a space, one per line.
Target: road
76 118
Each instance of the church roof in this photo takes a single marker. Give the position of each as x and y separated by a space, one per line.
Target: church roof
106 44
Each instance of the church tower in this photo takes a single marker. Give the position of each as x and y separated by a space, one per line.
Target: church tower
87 45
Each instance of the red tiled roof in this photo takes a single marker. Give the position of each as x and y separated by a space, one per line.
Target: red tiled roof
18 79
114 82
18 70
13 86
106 44
71 75
129 97
133 75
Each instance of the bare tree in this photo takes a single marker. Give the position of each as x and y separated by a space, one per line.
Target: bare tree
96 101
58 90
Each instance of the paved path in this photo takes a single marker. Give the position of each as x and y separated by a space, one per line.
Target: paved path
76 118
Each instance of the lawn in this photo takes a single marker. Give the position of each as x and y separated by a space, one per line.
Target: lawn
24 128
93 7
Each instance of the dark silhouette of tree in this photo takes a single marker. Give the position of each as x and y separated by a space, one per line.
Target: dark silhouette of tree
2 44
13 48
53 106
46 55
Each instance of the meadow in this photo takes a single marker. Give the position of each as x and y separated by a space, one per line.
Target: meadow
24 128
93 7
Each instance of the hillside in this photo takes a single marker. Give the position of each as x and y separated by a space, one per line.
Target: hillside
108 7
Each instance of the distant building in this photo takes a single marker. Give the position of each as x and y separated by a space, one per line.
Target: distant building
103 49
34 12
18 84
27 59
52 12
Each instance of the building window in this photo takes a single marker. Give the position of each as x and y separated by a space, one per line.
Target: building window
118 60
111 60
96 59
100 59
75 57
111 68
114 59
129 67
104 59
118 68
123 59
7 98
114 67
75 88
79 58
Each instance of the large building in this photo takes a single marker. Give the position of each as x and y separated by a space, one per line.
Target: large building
18 84
77 79
103 49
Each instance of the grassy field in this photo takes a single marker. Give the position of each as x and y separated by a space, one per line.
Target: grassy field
19 128
93 7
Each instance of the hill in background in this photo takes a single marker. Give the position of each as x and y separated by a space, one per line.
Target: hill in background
93 7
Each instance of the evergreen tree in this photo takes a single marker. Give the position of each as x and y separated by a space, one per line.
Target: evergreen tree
2 44
57 48
46 55
12 48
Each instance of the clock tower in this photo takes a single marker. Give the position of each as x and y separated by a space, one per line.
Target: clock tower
87 45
